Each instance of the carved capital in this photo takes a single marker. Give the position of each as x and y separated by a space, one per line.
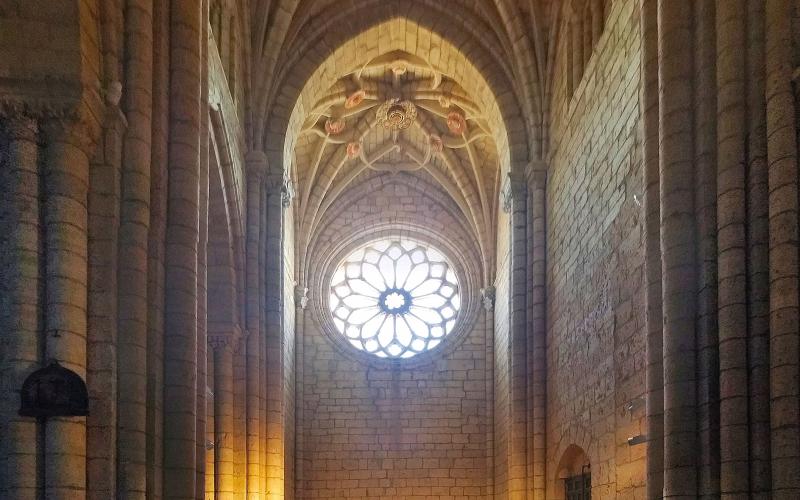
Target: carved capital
220 341
257 164
71 130
279 183
301 296
22 127
514 189
488 297
220 337
536 173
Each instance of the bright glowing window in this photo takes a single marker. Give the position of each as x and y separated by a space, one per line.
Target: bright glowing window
395 298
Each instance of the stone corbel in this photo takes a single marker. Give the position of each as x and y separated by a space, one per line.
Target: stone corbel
287 192
279 183
488 297
514 188
301 296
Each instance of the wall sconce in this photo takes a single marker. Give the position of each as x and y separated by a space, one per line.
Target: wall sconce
634 404
634 440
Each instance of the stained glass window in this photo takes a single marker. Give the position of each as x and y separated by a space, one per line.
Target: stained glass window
395 298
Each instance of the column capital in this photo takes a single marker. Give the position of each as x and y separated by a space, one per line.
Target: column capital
536 173
280 183
224 337
256 164
22 127
488 296
514 188
301 296
70 129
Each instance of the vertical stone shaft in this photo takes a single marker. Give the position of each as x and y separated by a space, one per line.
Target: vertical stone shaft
758 256
211 429
262 301
20 307
531 412
783 255
180 323
156 249
101 376
488 325
538 334
654 366
732 247
202 256
202 319
101 330
66 218
133 252
676 166
224 487
274 337
705 197
518 443
252 277
240 421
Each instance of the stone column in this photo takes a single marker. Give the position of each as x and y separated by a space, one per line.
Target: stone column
180 317
256 167
20 302
678 242
262 304
489 297
784 268
731 200
301 304
223 345
66 182
758 255
537 272
133 252
157 250
277 194
706 282
654 366
518 436
202 254
101 376
211 431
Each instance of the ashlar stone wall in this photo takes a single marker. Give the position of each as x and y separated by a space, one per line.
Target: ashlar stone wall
413 430
596 297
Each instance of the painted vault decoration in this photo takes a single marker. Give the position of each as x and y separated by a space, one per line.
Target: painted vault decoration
395 298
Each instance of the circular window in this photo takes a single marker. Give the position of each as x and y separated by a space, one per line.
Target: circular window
395 298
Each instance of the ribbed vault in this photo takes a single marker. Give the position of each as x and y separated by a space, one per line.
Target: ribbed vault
400 100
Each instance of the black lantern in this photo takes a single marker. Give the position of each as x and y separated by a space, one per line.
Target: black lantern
54 391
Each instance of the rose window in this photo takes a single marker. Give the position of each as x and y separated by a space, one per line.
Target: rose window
395 299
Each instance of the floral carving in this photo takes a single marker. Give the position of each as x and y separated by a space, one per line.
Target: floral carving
353 150
355 99
334 126
395 114
456 123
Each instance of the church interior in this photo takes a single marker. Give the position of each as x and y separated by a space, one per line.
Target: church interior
399 249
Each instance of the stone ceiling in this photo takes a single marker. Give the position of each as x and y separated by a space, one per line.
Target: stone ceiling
395 113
